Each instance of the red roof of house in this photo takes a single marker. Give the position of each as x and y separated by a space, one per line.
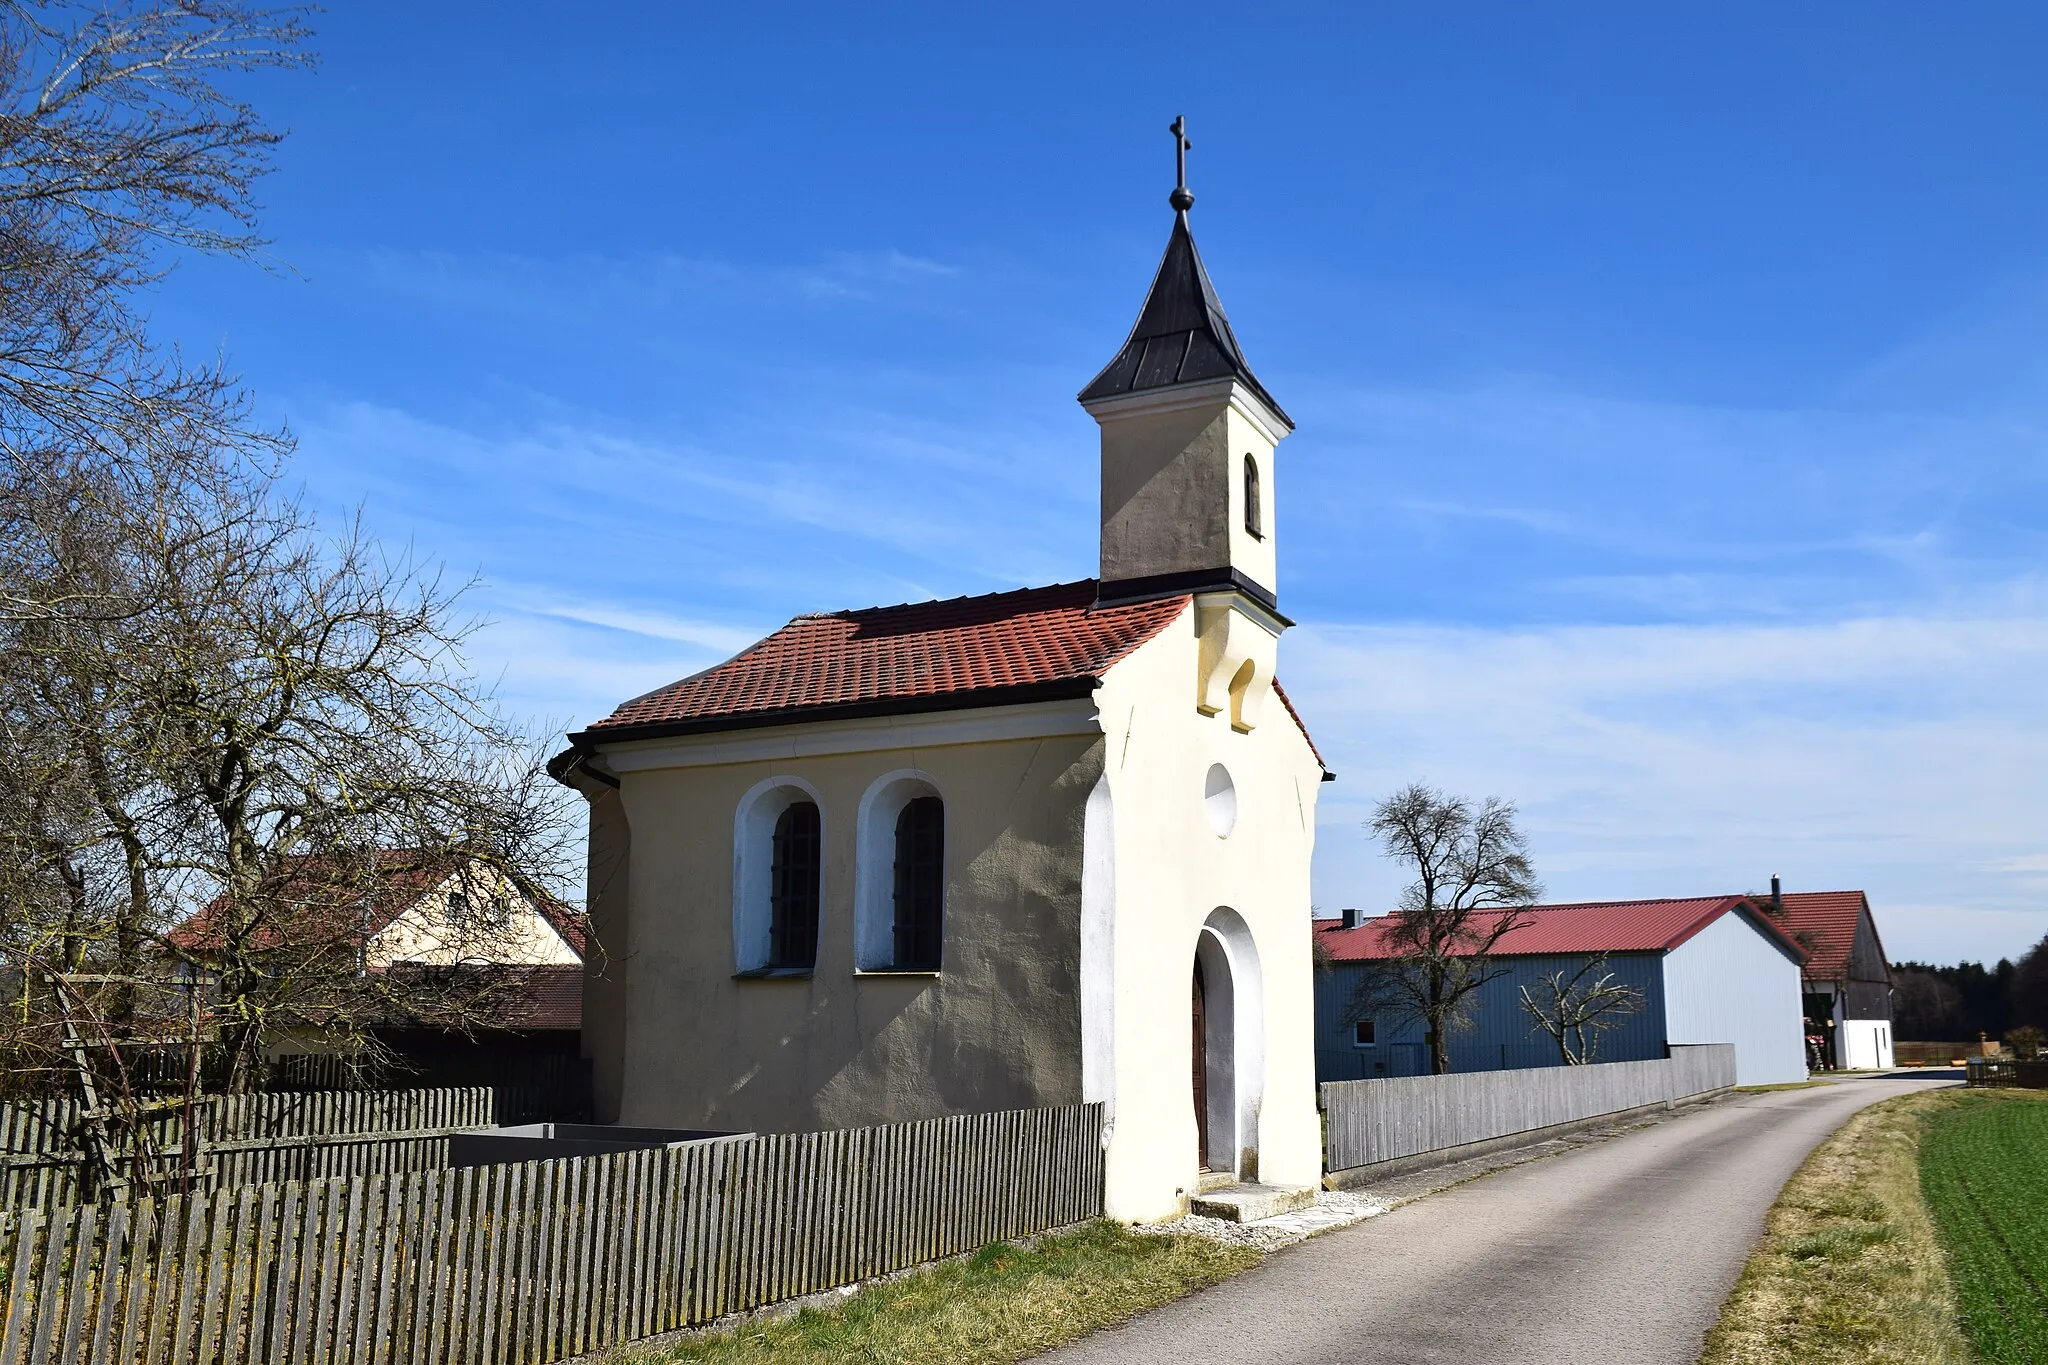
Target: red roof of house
332 911
1824 923
1030 644
1584 927
549 997
960 647
335 913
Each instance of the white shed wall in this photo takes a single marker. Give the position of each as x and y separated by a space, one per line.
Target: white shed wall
1729 983
1864 1044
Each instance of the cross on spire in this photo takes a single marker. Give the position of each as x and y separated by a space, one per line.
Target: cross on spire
1181 199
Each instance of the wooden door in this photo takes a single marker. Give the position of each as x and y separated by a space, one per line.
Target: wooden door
1201 1077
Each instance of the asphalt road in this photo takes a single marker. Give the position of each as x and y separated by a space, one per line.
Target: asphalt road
1618 1252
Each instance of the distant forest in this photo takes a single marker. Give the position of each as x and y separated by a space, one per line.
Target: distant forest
1933 1004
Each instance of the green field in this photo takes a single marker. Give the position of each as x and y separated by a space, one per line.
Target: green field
1984 1171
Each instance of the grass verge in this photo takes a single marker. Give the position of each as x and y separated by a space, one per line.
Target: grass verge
1003 1303
1850 1270
1782 1085
1984 1172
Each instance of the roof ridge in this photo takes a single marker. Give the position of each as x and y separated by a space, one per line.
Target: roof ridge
844 612
1640 900
1041 643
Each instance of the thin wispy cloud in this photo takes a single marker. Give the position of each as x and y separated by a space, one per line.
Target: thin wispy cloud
644 623
579 286
1514 498
1905 755
867 276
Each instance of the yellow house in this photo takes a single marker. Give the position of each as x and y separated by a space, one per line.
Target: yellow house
1031 848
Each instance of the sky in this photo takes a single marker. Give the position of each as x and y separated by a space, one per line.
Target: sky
1671 381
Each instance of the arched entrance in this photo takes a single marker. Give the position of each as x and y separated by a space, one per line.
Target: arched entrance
1228 1046
1201 1076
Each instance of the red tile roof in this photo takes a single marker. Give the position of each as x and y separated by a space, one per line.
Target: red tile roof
549 997
337 911
1295 716
971 648
1824 923
1583 927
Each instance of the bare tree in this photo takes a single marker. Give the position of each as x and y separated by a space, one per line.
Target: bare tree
205 702
1576 1007
119 149
283 724
1473 882
1926 1008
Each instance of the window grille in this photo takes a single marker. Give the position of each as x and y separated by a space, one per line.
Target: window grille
793 894
1253 521
920 884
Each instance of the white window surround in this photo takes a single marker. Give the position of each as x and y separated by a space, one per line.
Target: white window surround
874 891
753 865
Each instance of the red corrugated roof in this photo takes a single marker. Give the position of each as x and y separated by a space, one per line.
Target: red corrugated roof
1824 923
963 645
1583 927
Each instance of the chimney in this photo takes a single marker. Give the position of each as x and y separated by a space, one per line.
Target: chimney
1350 917
1777 897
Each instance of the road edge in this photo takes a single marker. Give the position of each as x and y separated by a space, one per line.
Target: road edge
1849 1268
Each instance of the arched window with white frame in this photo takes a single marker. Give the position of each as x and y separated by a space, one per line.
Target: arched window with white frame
777 877
900 896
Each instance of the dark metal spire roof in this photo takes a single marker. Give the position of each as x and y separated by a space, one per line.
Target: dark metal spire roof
1182 336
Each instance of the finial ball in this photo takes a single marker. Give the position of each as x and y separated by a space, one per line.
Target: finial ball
1182 199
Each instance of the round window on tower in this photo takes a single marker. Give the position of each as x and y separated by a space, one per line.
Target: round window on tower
1219 798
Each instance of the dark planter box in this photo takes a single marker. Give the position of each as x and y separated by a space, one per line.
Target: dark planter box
552 1141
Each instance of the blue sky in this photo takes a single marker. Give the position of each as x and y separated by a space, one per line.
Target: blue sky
1672 381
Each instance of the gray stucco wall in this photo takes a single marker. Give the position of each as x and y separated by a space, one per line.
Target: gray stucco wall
1166 494
608 866
998 1028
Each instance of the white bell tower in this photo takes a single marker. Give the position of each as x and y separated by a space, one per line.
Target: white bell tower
1188 440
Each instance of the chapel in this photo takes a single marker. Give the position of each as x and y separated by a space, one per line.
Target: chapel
1040 847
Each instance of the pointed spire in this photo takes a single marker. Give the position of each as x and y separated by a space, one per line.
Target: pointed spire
1182 335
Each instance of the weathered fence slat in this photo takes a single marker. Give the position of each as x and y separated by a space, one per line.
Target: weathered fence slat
1382 1120
519 1264
256 1139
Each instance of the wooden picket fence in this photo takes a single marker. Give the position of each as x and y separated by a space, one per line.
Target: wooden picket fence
528 1263
248 1139
1366 1122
